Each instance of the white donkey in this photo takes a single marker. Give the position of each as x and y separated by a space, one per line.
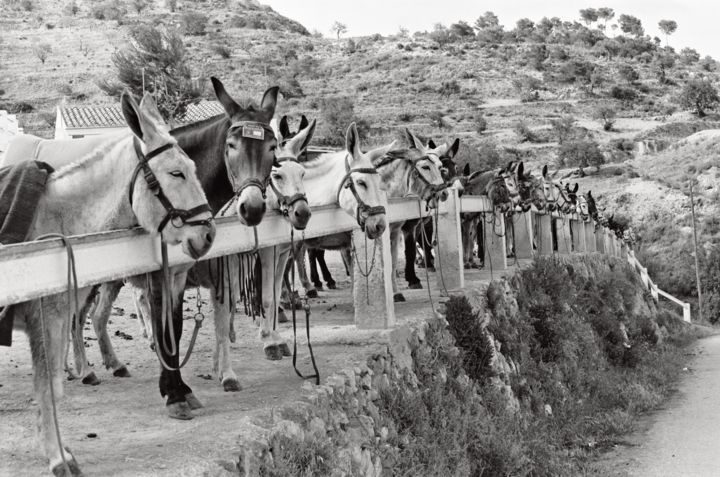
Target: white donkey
99 189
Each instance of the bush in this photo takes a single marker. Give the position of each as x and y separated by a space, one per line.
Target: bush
623 93
27 5
606 115
71 8
111 10
580 153
337 113
193 23
222 51
480 123
525 134
449 88
699 95
563 127
628 73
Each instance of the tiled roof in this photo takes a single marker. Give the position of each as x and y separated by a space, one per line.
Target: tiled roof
91 117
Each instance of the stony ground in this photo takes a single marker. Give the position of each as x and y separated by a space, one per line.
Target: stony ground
133 435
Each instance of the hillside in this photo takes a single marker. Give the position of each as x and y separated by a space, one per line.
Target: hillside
506 93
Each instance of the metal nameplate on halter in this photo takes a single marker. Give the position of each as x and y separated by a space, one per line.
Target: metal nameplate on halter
253 131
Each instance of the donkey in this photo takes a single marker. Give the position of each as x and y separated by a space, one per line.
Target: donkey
234 153
412 232
100 190
502 188
557 197
595 213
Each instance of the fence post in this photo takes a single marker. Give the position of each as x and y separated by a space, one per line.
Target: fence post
600 239
590 244
545 241
578 232
686 312
564 236
494 243
448 249
523 235
372 294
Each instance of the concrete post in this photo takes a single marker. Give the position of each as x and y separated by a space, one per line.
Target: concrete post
545 241
524 236
372 281
448 250
494 243
578 234
600 237
590 244
564 236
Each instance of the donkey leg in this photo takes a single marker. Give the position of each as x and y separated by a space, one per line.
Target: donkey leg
300 253
47 369
313 257
427 244
142 309
408 231
179 395
84 370
223 364
327 276
394 242
107 295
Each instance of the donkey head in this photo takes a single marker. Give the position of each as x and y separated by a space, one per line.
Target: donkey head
249 150
532 190
174 204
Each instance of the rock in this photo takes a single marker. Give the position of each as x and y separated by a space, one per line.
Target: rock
548 410
384 433
399 347
367 425
316 428
366 381
337 382
289 429
338 419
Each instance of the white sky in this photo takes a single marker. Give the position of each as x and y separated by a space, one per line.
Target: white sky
698 25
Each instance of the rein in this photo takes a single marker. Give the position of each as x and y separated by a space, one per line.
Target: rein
151 180
363 210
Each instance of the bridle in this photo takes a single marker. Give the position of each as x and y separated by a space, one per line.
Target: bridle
565 200
363 210
284 201
182 215
433 190
499 183
251 130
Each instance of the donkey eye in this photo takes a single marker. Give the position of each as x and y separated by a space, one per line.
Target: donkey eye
178 174
426 168
361 183
273 148
231 145
277 177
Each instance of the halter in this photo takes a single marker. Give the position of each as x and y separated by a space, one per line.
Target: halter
251 130
284 201
562 196
151 180
363 211
500 180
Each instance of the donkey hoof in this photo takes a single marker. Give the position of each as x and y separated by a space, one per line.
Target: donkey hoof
72 465
312 294
232 336
398 297
91 379
318 286
179 410
193 402
231 385
431 268
415 286
332 286
285 349
121 372
273 353
282 317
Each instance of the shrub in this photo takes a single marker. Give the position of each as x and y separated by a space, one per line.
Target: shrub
42 51
480 123
111 10
405 117
628 73
563 127
193 23
449 88
525 134
606 115
139 5
71 8
581 153
171 4
27 5
623 93
699 95
337 113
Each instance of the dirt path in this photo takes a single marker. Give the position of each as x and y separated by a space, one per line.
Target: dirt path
134 438
684 438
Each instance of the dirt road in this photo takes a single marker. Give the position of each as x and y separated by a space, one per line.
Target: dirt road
684 438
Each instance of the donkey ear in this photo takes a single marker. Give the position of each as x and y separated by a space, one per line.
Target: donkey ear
521 170
577 186
303 122
415 143
589 193
130 111
431 144
284 128
378 152
228 104
544 171
452 152
149 107
269 100
302 139
466 169
352 141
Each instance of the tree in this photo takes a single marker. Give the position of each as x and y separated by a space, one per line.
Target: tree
563 127
42 51
155 61
487 20
403 32
337 113
194 23
668 27
139 5
662 62
606 115
71 8
581 153
441 34
589 15
171 4
699 95
488 28
339 29
631 25
524 29
689 56
461 29
628 73
605 14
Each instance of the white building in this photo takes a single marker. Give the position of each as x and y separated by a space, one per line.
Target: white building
74 122
9 128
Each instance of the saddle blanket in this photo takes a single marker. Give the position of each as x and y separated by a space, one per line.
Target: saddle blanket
21 187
